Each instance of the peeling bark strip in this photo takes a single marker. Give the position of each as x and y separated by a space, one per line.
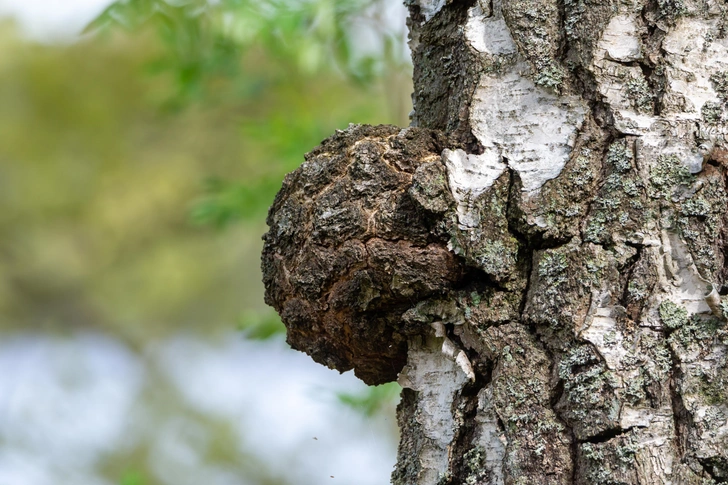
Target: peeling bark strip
541 259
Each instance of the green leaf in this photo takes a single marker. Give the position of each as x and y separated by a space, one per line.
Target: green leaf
205 40
372 399
227 202
260 326
132 478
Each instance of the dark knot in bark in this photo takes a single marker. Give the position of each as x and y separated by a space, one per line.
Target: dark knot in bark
353 244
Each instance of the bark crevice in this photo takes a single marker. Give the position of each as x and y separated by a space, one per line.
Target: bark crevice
465 408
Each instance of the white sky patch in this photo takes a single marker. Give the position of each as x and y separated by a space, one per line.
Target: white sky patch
66 402
285 408
49 20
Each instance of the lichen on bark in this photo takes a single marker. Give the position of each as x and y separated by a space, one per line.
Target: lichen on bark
556 217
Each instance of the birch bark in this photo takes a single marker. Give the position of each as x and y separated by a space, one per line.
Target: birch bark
544 271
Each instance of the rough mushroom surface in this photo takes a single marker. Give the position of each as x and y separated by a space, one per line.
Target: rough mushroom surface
350 249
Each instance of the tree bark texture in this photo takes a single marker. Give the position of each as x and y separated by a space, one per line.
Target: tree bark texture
540 260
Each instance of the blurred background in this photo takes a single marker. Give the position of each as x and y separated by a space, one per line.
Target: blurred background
141 143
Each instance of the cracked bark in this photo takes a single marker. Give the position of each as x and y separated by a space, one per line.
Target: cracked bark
557 212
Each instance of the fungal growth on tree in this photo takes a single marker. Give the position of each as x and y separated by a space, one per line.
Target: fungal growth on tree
356 238
541 260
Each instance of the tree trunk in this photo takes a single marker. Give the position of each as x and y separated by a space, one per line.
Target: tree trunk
540 259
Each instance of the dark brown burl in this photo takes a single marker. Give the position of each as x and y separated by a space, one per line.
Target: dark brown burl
350 248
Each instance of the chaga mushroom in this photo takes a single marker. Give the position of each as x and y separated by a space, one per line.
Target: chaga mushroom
353 244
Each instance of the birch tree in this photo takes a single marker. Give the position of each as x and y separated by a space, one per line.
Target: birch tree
540 258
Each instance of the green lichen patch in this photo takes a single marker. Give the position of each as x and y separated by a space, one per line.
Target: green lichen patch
712 112
588 402
705 248
564 201
621 205
634 391
639 94
562 281
619 156
550 76
724 307
538 444
609 463
552 274
673 316
672 8
637 290
536 28
701 221
697 206
553 265
658 360
668 175
697 334
489 245
714 388
704 389
648 365
474 467
719 80
497 257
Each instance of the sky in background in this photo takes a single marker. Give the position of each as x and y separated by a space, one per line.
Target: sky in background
66 404
52 19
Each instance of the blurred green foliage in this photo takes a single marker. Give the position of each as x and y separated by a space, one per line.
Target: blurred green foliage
99 178
205 39
120 153
260 325
209 48
372 399
132 478
212 51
